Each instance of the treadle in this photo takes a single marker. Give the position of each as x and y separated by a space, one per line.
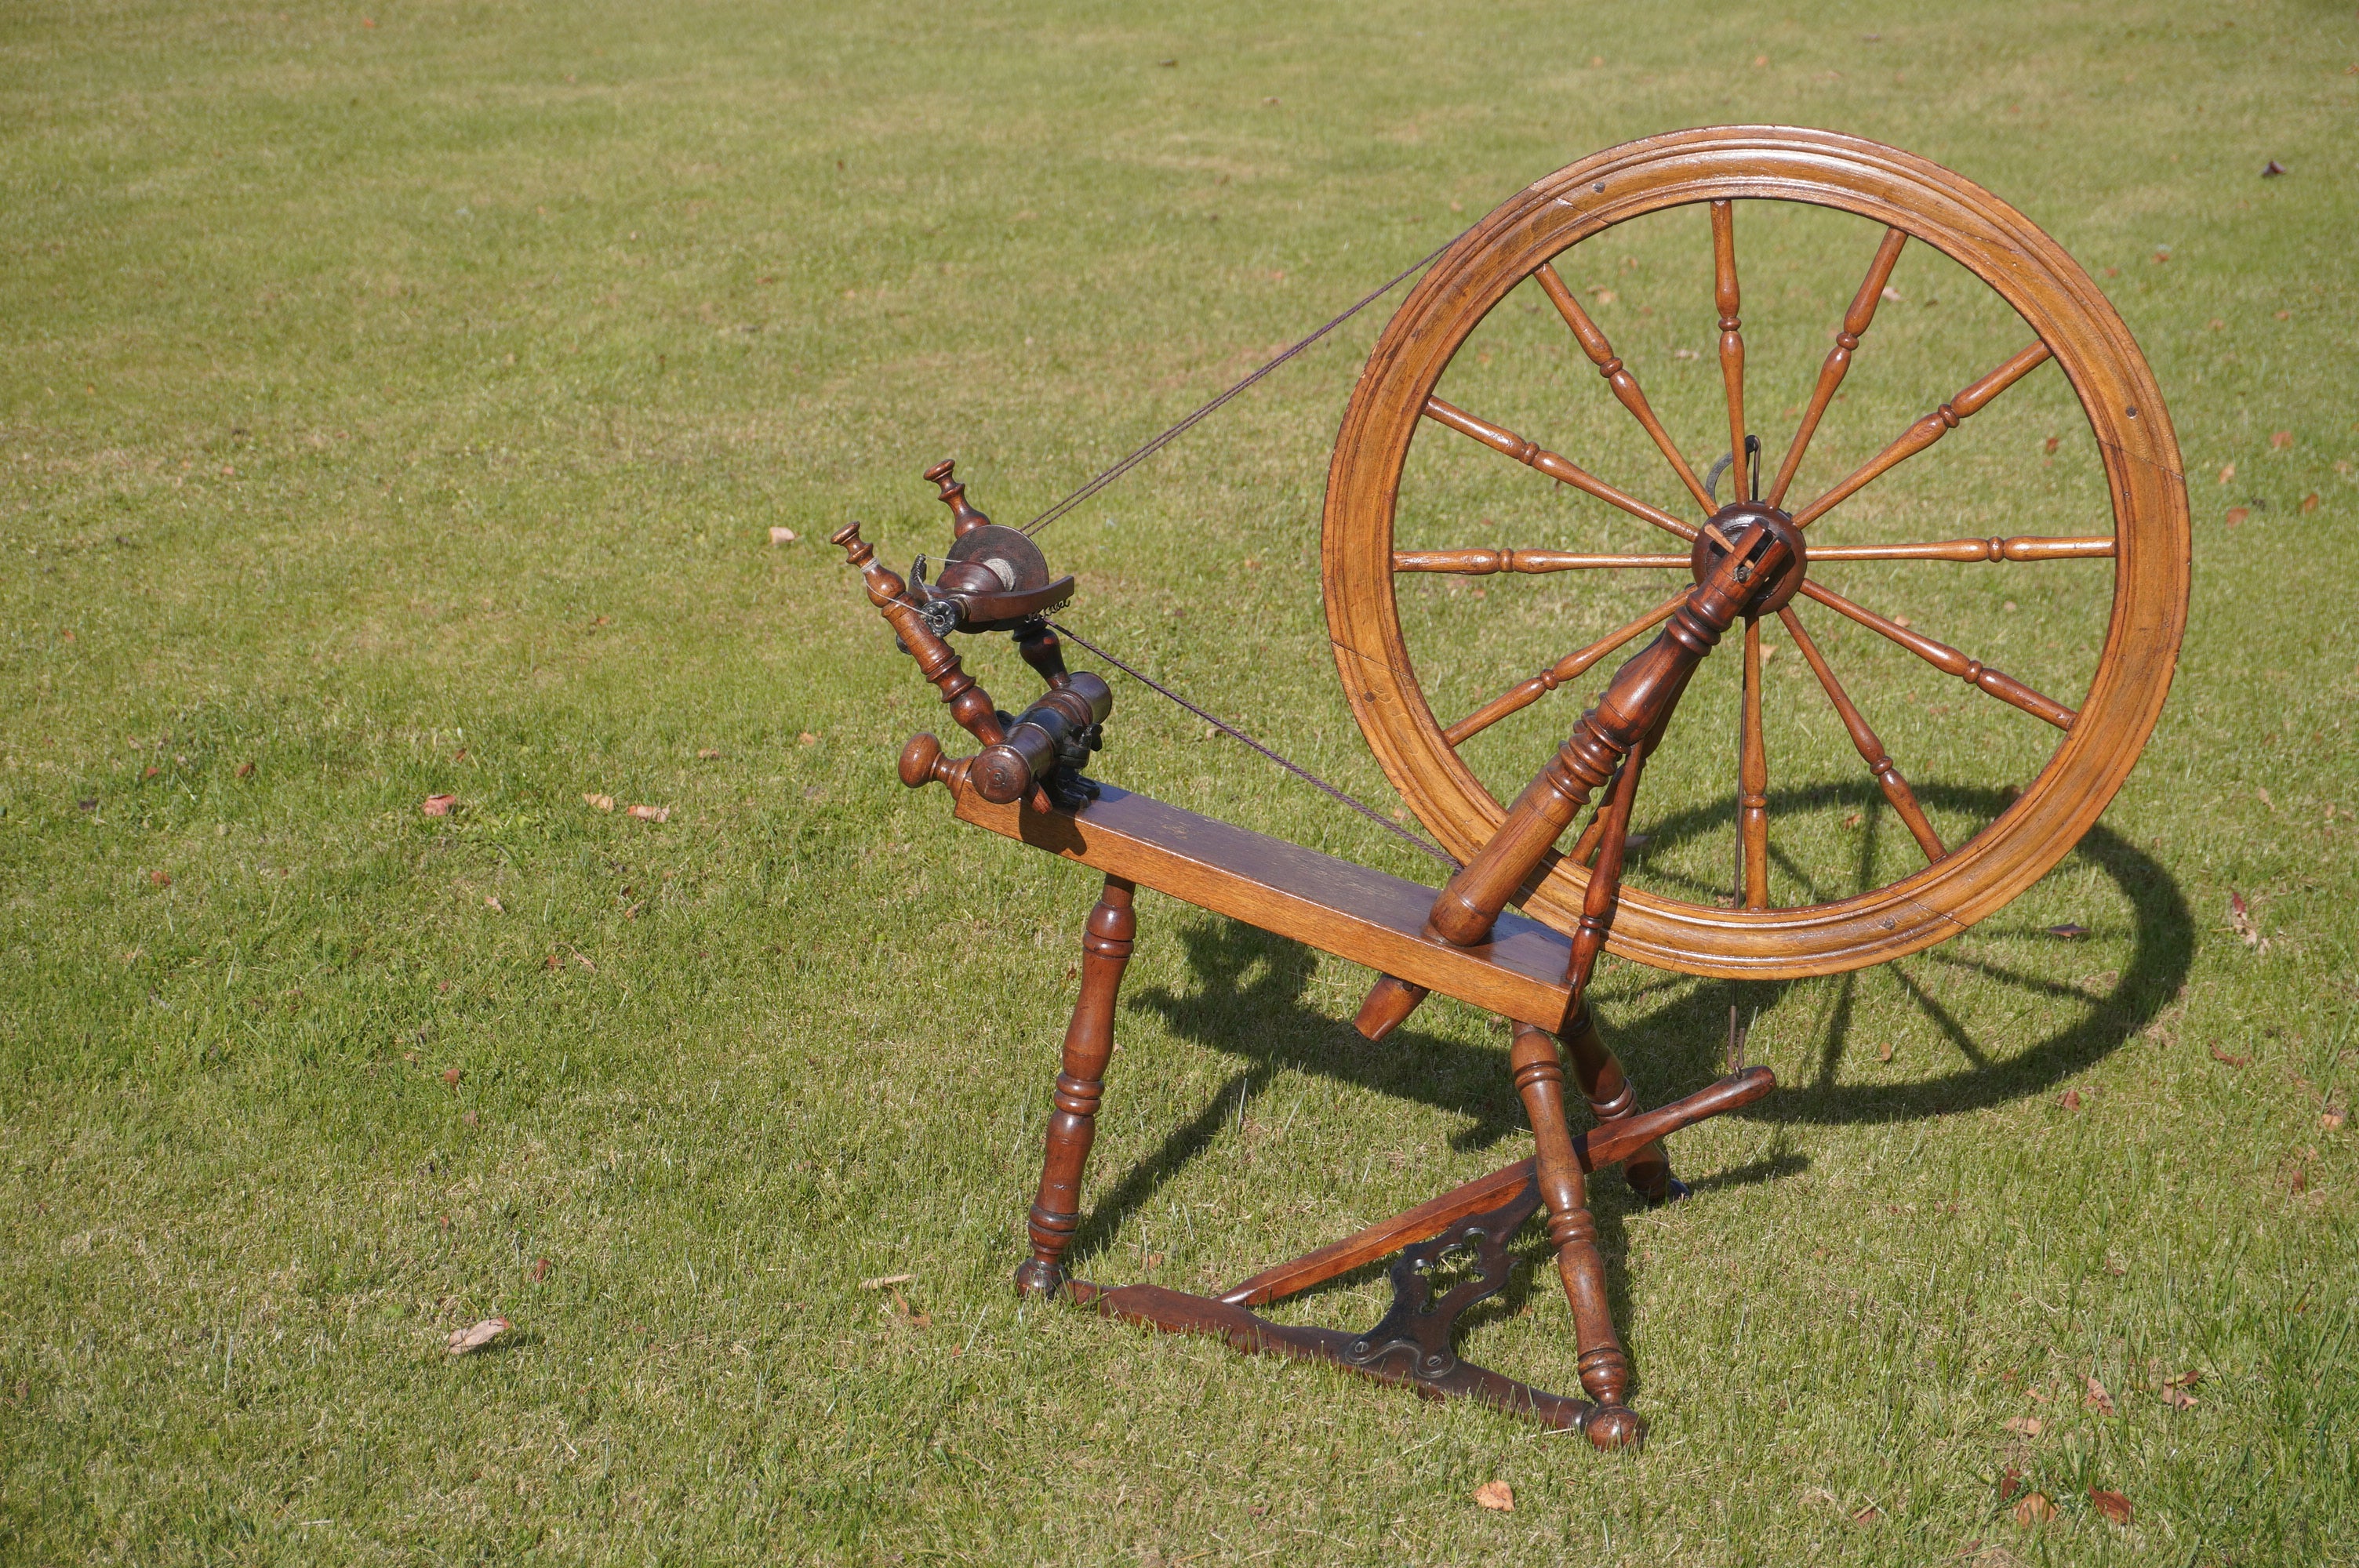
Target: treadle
1412 1347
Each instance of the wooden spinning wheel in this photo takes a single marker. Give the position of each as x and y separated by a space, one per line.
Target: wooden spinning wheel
1744 562
1401 396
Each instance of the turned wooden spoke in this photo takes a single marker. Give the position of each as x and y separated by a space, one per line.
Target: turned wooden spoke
1731 342
1560 470
1927 431
1482 563
1871 750
1854 327
1753 778
2020 548
1944 657
1617 375
1523 694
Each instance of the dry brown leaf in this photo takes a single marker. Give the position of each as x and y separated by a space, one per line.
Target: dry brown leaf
2186 1379
1496 1496
2220 1055
539 1270
2096 1398
2300 1183
2024 1425
2009 1485
2070 931
2049 446
2279 440
463 1340
2310 502
1853 821
1903 621
2072 1101
452 1076
709 753
2035 1510
1884 1052
438 805
2228 473
2177 1397
2332 1118
552 962
2263 796
886 1281
245 770
2113 1505
494 904
781 535
2237 515
2240 921
651 813
603 802
1867 1516
806 739
161 879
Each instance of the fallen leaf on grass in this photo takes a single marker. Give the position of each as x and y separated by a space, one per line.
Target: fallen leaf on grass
2024 1425
709 753
2240 921
2279 440
2271 169
2300 1183
539 1270
2263 796
1853 821
886 1281
2068 931
161 879
2332 1118
245 770
2049 445
2035 1510
2113 1505
2227 473
452 1076
2009 1485
1496 1496
463 1340
806 739
2310 502
2237 515
2072 1101
603 802
2096 1398
2220 1055
1867 1516
914 1319
1884 1052
651 813
494 904
782 535
2178 1398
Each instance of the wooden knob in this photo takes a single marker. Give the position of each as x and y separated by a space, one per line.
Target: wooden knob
964 518
921 761
860 551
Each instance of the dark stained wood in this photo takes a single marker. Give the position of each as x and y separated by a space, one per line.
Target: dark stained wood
1752 777
1367 916
1618 376
1089 1041
1524 693
1871 750
1572 1229
1944 657
1560 469
1927 431
1484 563
1044 653
1731 341
1830 374
1627 1139
969 703
964 518
1614 1100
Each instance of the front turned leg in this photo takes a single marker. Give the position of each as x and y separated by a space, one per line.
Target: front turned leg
1607 1089
1573 1230
1089 1041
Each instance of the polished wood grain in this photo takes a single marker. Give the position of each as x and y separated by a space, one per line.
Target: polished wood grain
1871 749
1837 364
1926 432
1106 944
1614 1100
2023 548
1605 1367
1560 469
1752 777
1617 375
970 705
1484 563
1948 660
1625 1139
964 518
1524 693
1367 916
1884 188
1604 893
1731 341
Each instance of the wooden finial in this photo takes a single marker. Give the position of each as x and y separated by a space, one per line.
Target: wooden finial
964 518
859 549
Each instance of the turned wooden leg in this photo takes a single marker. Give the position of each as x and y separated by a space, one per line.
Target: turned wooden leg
1605 1370
1089 1040
1610 1097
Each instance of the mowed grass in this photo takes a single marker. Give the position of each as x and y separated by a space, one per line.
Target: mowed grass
396 402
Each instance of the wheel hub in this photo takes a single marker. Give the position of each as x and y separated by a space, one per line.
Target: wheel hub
1728 524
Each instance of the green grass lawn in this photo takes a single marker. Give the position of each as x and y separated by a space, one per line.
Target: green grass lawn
396 402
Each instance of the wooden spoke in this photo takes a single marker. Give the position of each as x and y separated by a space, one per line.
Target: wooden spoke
1927 431
1523 694
1617 375
2023 548
1830 374
1482 563
1753 778
1871 750
1944 657
1731 342
1559 469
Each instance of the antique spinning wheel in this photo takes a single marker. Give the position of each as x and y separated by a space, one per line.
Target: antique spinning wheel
1402 396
